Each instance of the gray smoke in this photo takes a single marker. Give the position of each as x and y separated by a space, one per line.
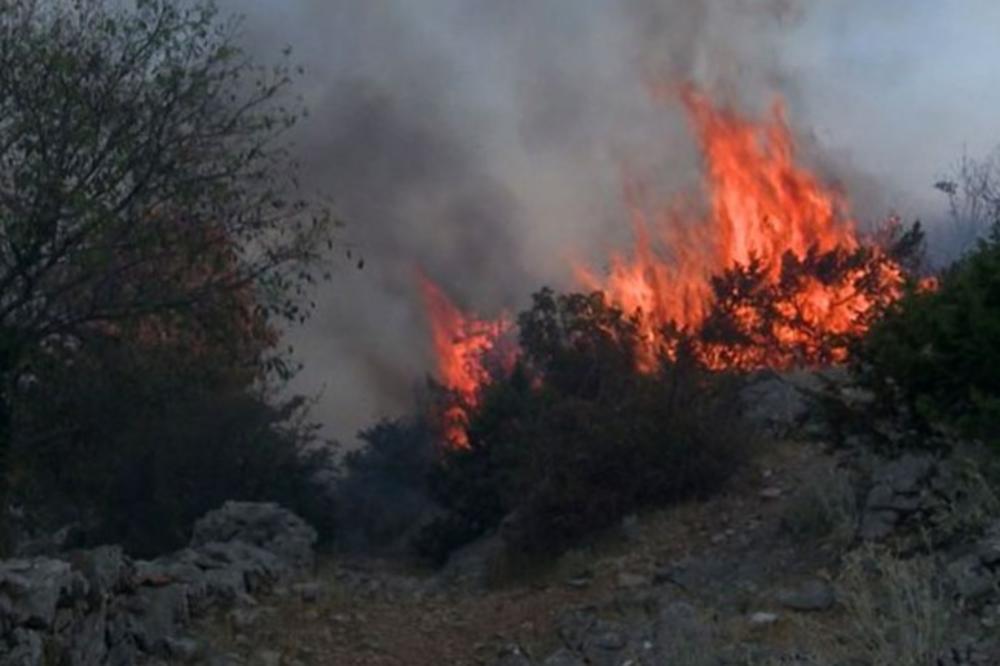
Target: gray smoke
484 140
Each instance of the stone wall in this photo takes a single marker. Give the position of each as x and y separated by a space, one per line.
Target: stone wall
98 606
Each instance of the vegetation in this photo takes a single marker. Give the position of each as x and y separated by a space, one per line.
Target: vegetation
151 236
382 493
575 438
936 349
132 444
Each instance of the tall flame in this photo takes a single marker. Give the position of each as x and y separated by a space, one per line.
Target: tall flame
769 223
462 345
763 208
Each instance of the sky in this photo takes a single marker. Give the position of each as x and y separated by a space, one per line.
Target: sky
484 141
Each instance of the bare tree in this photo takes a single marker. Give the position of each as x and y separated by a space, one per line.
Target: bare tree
973 198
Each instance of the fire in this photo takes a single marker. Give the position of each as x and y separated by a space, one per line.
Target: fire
764 211
463 347
773 274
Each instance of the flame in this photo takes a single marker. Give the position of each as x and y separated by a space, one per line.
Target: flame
463 346
763 210
775 263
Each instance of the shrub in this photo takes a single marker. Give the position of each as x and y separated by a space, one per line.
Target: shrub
897 611
382 492
575 438
134 443
936 350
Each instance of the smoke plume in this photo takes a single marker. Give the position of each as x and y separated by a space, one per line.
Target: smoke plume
484 141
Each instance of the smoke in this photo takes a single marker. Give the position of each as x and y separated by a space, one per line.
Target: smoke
484 141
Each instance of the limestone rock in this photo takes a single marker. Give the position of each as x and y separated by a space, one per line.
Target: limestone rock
264 525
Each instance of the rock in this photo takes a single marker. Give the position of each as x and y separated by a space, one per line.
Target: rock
474 563
972 580
513 655
268 658
812 594
770 493
105 568
605 641
184 649
87 641
244 618
563 657
907 473
774 403
629 580
611 640
30 590
262 524
680 632
157 612
575 627
24 648
763 619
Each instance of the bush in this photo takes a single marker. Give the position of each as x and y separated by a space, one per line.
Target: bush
575 438
382 493
134 443
936 351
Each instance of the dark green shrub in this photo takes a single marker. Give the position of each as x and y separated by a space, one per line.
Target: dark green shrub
575 438
135 443
937 351
382 492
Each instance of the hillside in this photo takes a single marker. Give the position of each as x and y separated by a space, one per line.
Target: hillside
813 554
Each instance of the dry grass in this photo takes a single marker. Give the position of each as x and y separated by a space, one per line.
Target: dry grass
895 612
826 508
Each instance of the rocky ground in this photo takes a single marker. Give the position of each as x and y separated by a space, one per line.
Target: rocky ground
813 556
819 552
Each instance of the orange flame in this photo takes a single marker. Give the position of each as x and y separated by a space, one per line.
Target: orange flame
462 345
768 219
763 208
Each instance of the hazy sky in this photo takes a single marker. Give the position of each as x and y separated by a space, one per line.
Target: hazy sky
483 140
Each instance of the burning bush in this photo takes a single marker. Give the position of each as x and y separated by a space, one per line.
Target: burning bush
818 307
618 398
574 438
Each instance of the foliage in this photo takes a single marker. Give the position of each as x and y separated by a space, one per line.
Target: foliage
134 443
937 350
575 438
146 192
382 494
140 167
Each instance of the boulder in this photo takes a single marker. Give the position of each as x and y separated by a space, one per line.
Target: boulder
97 607
264 525
774 403
31 590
